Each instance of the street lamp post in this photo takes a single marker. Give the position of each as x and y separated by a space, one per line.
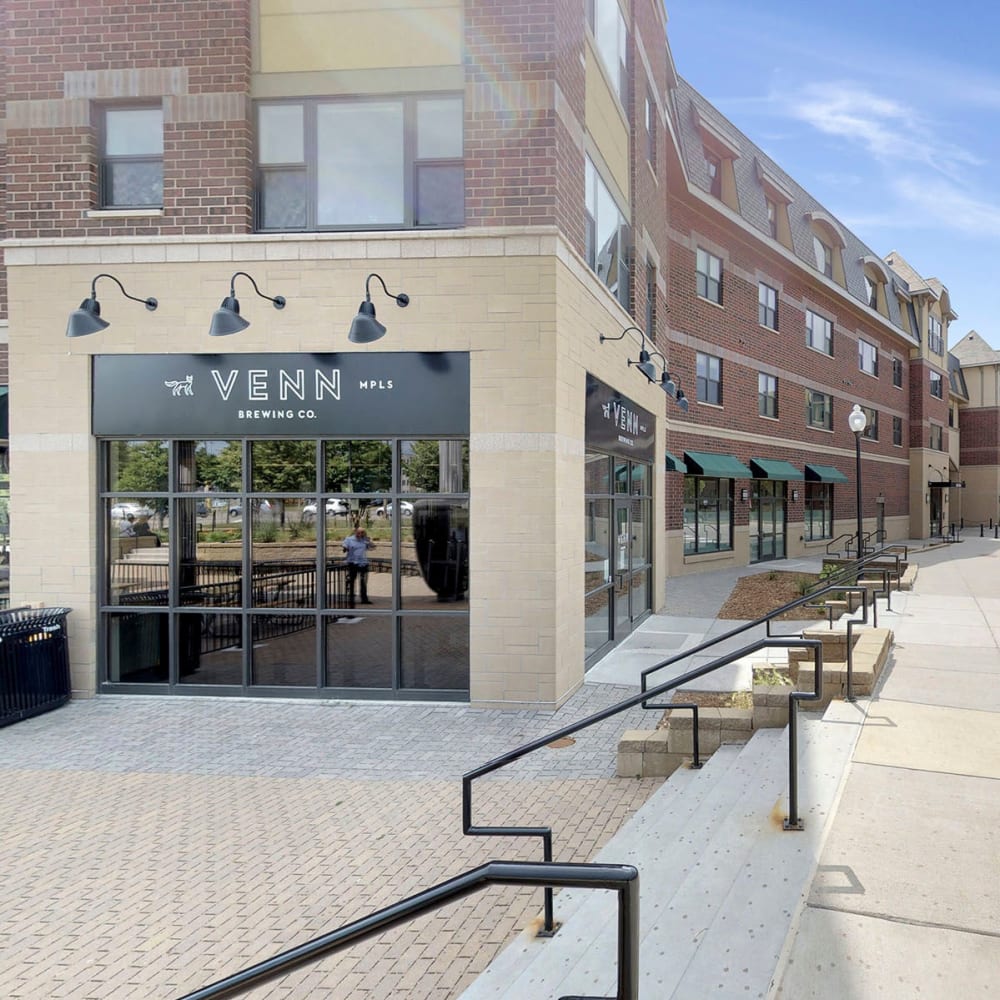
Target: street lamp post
858 422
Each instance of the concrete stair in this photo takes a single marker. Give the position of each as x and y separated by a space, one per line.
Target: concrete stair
721 882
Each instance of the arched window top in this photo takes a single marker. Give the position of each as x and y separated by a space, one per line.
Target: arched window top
825 226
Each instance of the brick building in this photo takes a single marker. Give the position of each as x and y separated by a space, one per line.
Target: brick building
558 206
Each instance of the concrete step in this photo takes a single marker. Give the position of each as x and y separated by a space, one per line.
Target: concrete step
721 881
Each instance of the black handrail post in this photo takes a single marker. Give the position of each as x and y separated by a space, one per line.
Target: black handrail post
793 821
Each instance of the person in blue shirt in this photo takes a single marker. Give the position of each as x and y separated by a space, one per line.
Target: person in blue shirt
356 546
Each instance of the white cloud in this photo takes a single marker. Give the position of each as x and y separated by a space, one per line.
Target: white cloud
891 131
937 202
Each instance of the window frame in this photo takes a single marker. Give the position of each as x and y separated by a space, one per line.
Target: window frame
107 160
867 359
705 282
818 499
936 435
651 130
813 397
620 286
767 395
713 171
617 74
814 319
897 432
767 306
897 373
936 384
935 338
309 166
823 252
698 504
708 379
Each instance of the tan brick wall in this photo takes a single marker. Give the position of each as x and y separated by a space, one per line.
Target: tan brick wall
523 305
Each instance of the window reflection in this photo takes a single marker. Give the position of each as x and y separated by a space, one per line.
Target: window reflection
138 648
434 466
138 466
359 651
284 650
434 652
283 466
434 554
358 466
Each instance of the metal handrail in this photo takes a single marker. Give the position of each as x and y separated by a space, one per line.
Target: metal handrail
545 833
624 879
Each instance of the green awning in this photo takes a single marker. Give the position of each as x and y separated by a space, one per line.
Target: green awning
674 464
705 463
774 468
824 474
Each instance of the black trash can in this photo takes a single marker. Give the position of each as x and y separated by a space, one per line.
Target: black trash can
34 662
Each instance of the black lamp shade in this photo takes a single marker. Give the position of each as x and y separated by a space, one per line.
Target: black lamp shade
86 319
227 319
682 400
648 369
668 385
365 328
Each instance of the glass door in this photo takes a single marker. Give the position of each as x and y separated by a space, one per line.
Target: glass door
622 561
767 521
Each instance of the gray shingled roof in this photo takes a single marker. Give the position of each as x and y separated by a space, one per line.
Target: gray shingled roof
753 207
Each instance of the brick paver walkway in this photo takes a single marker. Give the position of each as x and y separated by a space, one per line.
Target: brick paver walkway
150 846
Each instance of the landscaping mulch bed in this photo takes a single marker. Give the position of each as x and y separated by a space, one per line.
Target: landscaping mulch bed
757 594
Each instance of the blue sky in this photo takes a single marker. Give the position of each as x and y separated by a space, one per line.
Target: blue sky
887 112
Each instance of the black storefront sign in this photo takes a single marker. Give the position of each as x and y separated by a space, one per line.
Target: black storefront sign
305 395
616 425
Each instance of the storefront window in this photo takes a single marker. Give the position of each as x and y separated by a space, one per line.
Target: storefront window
245 556
818 511
708 525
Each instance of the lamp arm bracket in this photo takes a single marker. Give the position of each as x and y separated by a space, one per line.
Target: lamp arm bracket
278 300
150 303
402 299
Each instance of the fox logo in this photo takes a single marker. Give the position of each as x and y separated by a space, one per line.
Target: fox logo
181 387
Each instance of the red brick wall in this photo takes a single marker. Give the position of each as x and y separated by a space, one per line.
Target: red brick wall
733 333
649 201
53 170
510 151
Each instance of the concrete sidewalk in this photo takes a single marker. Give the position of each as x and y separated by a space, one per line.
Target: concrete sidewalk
152 845
906 899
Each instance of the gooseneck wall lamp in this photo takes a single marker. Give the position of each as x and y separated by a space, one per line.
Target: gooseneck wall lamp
666 380
365 328
227 319
87 319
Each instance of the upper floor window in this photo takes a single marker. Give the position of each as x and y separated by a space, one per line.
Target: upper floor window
937 437
131 172
767 395
390 163
824 256
651 300
607 236
608 28
772 218
897 372
651 130
871 428
952 416
868 357
819 332
713 169
934 342
708 270
897 431
819 409
767 306
709 379
937 385
871 292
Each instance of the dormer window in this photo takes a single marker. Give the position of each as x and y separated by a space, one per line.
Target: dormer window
824 257
777 198
719 151
828 244
877 280
713 168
